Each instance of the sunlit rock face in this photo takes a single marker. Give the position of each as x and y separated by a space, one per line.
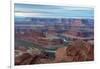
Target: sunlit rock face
77 51
34 51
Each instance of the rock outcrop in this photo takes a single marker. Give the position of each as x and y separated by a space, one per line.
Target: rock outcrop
77 51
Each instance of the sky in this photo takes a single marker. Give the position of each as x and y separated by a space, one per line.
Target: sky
52 11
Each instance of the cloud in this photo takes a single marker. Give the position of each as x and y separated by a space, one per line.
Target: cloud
21 14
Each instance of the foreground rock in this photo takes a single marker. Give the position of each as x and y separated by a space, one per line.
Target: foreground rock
76 51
